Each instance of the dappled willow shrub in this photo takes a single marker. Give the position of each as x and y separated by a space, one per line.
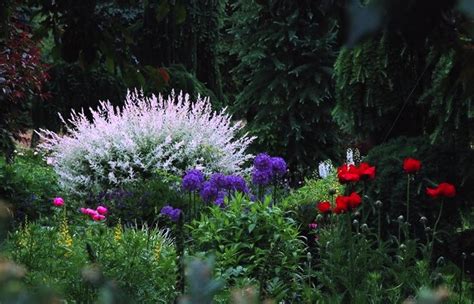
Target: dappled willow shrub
124 145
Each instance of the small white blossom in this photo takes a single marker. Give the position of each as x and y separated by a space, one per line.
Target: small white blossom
325 168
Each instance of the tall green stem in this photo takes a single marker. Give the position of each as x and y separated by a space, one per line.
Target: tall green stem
379 228
434 229
408 198
351 256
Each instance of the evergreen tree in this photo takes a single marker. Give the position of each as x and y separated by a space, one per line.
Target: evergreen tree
284 52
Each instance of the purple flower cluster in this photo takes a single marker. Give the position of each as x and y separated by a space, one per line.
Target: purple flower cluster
192 180
170 212
267 168
218 185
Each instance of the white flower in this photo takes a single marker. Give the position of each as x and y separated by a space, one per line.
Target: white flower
350 157
325 168
119 145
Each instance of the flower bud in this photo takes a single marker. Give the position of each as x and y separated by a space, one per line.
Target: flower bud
364 227
355 222
400 218
378 203
423 220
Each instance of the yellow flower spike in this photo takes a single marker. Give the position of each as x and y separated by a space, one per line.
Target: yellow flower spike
118 231
65 239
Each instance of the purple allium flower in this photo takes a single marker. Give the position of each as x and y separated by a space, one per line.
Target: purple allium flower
278 166
193 180
261 177
172 213
218 180
263 162
209 191
236 183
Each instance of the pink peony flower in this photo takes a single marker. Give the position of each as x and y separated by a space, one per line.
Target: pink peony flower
88 211
98 217
102 210
58 202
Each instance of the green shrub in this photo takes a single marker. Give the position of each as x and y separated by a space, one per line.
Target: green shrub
141 262
253 243
28 184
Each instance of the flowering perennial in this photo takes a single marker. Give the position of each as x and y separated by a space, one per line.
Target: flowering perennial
443 190
267 168
172 213
119 145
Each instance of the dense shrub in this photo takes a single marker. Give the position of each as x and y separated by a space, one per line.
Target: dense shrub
140 201
253 243
140 261
124 145
28 185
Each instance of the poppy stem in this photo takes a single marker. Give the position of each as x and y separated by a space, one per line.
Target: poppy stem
408 198
379 230
351 259
435 227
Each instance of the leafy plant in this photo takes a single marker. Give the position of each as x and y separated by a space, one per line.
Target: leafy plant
302 201
251 240
140 261
28 184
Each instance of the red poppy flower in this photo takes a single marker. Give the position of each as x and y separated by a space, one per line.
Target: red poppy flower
354 200
447 190
443 190
411 165
432 192
348 173
342 204
324 207
366 171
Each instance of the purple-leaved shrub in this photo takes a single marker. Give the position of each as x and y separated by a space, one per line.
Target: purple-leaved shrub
121 145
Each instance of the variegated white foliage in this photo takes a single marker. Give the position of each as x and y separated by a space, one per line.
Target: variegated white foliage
121 145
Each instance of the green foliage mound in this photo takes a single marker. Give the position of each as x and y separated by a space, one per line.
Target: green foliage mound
254 243
28 185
